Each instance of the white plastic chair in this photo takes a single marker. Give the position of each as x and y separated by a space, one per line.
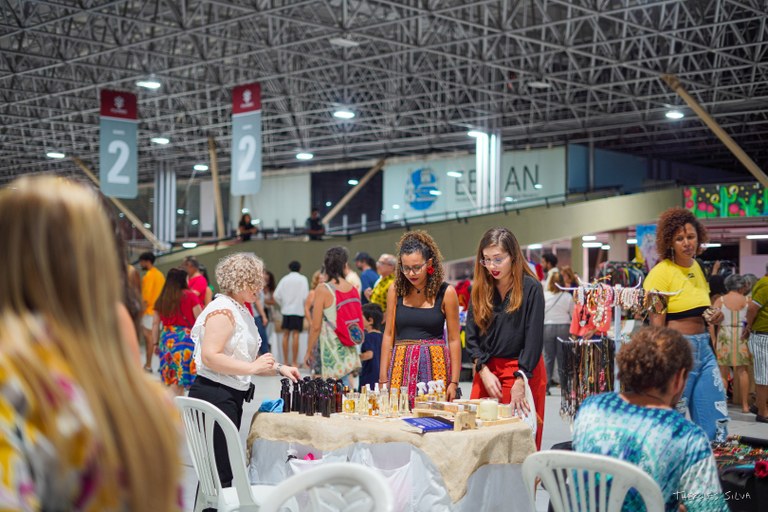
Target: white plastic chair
199 419
338 487
578 481
335 487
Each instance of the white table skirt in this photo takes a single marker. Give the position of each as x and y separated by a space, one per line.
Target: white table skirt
415 482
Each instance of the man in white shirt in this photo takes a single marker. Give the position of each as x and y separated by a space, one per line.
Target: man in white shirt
290 294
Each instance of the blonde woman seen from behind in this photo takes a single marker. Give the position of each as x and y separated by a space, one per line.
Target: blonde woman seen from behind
54 231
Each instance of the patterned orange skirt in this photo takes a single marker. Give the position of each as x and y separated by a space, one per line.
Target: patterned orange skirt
415 361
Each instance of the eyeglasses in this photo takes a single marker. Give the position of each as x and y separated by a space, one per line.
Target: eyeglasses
493 261
413 270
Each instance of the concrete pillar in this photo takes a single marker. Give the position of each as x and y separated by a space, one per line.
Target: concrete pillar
165 205
618 242
578 259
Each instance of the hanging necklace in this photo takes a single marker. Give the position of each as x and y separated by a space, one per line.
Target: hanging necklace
417 290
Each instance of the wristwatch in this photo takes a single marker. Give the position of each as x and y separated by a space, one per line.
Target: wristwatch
277 367
519 374
478 366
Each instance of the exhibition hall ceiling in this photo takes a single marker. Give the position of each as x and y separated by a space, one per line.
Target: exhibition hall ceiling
417 74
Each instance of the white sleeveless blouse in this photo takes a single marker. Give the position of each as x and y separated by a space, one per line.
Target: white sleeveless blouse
243 345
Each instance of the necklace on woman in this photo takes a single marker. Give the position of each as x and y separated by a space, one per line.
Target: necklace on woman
240 306
417 290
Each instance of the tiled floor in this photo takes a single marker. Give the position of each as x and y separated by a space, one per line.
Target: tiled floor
555 430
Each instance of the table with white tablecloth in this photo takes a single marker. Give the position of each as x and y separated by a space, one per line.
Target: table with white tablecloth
473 470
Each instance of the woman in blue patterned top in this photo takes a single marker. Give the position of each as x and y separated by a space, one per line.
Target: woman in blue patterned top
641 425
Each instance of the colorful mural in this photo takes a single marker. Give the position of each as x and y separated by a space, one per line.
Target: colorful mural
737 200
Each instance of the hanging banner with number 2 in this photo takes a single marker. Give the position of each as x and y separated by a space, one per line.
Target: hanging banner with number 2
118 136
246 139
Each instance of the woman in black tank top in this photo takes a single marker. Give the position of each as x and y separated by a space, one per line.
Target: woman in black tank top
419 305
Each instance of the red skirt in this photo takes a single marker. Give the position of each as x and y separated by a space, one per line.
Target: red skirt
504 369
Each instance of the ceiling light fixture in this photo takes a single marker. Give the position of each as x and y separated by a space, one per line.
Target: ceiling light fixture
434 192
328 203
588 238
539 84
534 247
151 82
454 174
592 244
160 140
189 245
674 114
509 199
344 113
304 155
757 237
55 154
606 247
631 241
395 206
538 186
352 182
711 244
343 42
200 167
476 133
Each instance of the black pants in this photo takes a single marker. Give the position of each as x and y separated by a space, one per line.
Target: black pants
230 402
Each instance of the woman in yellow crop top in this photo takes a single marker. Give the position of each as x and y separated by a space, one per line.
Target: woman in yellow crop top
679 236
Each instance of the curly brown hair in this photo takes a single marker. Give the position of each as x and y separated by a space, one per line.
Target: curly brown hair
419 241
670 222
652 358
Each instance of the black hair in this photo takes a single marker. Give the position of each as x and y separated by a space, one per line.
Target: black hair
315 209
294 266
147 256
373 312
335 261
412 244
192 261
550 258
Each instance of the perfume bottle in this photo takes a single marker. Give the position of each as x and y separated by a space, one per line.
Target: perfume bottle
394 401
384 402
404 405
338 395
295 397
285 394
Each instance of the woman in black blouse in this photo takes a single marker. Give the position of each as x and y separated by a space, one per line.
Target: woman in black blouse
421 308
505 326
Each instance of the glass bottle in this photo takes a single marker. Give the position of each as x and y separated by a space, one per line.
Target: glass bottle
404 406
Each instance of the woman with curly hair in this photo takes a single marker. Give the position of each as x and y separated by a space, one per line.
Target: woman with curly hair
640 424
679 236
419 305
227 347
176 308
505 326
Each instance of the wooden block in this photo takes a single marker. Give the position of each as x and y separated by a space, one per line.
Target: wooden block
500 421
464 421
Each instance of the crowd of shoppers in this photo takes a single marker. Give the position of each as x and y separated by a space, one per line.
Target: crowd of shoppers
64 350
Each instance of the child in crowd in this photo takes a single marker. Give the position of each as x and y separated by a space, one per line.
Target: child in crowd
370 351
